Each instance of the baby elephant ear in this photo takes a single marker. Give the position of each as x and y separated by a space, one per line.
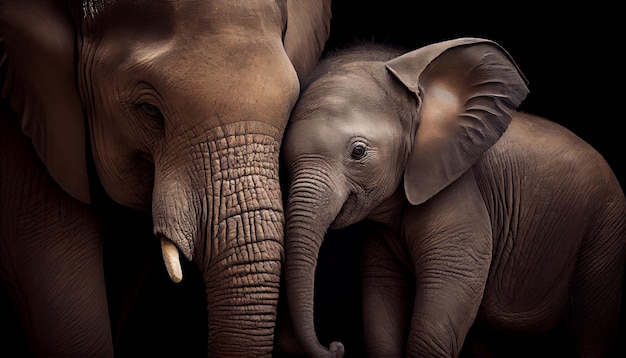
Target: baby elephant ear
37 73
467 88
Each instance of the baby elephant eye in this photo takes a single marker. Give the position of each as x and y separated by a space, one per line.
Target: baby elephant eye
359 150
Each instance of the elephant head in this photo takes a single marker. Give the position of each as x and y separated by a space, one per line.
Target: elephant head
185 104
372 120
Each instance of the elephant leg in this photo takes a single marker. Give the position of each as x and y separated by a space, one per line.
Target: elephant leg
387 288
50 257
597 291
450 243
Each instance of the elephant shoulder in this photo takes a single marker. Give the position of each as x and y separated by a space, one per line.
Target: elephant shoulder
540 149
533 135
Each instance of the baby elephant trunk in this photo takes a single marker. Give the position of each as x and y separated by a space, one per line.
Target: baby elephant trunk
308 216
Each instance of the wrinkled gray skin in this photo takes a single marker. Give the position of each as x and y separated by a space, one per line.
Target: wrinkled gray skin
185 103
478 213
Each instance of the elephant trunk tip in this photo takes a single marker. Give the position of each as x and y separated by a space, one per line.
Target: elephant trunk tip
171 258
337 350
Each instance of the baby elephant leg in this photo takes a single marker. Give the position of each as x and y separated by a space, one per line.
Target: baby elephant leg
388 291
596 296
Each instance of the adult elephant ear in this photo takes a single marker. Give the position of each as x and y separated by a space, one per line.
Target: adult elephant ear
466 89
308 28
37 53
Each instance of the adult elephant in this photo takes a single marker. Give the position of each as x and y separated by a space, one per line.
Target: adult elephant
184 105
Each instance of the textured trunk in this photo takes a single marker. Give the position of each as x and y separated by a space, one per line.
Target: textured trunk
242 314
225 213
309 214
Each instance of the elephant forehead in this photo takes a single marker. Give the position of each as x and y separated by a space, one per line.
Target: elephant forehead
331 130
131 18
309 136
356 86
162 19
338 95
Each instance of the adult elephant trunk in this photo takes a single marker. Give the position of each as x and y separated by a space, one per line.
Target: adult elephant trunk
312 206
221 207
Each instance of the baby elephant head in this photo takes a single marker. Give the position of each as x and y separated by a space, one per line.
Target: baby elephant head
372 120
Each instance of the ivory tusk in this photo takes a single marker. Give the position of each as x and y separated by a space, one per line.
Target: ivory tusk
171 258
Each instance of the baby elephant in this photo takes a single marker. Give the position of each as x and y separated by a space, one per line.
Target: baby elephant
483 215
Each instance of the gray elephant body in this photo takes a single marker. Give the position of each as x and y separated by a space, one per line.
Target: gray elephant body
475 214
180 107
545 237
557 218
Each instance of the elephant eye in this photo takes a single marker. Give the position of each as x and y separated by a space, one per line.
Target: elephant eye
151 110
359 150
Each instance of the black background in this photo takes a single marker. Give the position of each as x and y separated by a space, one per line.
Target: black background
571 57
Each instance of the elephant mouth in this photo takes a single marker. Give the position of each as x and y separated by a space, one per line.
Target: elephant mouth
171 258
352 211
343 219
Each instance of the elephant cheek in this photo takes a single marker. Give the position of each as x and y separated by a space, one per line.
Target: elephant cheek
126 174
